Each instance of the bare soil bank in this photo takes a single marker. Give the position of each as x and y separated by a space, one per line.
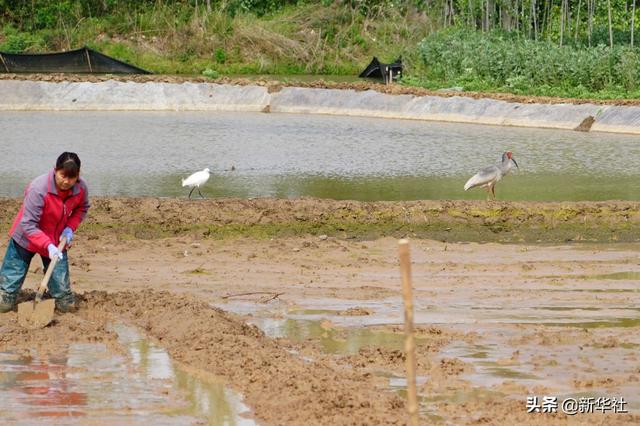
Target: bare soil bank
150 218
275 86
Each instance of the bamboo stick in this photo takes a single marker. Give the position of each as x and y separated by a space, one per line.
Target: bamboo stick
409 343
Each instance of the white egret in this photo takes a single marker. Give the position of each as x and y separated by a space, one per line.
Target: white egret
195 180
489 176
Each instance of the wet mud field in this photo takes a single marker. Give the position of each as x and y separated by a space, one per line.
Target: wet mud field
288 312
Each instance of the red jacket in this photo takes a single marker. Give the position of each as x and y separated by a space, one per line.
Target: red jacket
43 214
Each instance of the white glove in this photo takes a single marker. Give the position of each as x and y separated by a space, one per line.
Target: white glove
53 251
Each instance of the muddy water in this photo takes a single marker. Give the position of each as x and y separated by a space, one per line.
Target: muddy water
88 384
495 359
280 155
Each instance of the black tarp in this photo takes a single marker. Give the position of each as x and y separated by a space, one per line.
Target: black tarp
377 69
82 60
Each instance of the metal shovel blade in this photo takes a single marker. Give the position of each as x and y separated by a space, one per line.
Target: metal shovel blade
36 314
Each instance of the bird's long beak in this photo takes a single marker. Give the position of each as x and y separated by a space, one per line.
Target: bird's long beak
514 161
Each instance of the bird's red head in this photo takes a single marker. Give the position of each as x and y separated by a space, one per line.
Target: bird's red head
509 154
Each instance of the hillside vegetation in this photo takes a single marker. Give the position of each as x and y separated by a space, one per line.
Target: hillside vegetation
582 48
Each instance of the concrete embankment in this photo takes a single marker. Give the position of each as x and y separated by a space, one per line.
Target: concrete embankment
111 95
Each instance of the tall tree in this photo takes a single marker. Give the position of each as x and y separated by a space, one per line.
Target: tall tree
633 19
591 7
534 15
546 23
610 24
486 26
562 15
578 19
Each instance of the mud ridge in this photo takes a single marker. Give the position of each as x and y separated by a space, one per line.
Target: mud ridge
150 218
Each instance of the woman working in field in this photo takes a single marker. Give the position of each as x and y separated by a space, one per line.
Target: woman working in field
54 206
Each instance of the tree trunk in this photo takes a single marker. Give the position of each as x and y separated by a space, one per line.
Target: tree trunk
561 21
567 17
453 13
633 20
208 6
610 27
445 6
592 6
534 13
487 18
578 19
546 23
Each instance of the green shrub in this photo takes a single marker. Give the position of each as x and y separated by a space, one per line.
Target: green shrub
18 42
501 60
220 55
210 73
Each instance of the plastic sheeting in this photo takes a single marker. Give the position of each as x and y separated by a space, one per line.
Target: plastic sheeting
82 60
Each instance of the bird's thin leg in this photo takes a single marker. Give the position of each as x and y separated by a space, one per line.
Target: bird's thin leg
488 190
190 192
493 191
200 192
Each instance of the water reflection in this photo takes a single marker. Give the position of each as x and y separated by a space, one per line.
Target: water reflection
89 384
285 155
331 340
213 401
40 386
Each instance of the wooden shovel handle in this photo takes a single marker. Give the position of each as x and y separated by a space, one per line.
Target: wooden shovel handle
47 275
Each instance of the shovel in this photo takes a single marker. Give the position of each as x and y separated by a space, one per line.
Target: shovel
39 313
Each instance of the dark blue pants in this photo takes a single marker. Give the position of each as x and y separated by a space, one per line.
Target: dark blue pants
14 270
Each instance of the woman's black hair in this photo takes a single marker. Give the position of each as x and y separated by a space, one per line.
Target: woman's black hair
69 163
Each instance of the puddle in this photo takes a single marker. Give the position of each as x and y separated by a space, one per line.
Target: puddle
568 308
87 384
488 370
401 382
607 323
280 321
495 361
463 396
308 312
343 341
615 276
496 370
212 401
556 368
382 311
629 275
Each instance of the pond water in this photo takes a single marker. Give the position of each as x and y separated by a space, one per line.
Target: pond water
289 155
